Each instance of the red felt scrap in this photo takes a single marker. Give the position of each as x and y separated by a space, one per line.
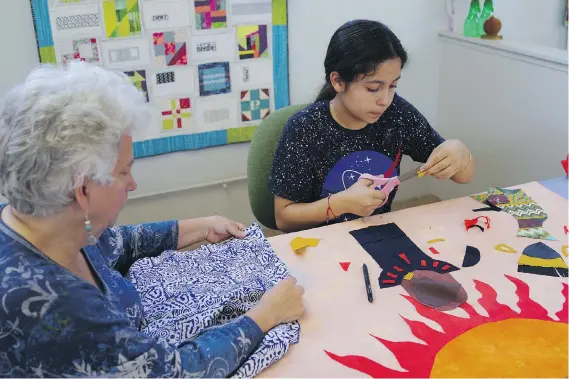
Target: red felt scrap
345 265
471 223
564 163
565 229
433 250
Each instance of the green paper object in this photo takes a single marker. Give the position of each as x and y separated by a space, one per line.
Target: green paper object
471 24
487 12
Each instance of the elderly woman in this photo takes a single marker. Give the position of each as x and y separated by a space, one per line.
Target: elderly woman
66 309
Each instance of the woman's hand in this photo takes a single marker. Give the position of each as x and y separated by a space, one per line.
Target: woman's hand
281 304
222 228
361 199
447 159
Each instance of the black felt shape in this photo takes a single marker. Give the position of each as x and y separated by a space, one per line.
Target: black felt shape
547 271
471 257
491 208
385 243
476 226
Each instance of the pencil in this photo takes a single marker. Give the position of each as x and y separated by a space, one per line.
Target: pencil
368 285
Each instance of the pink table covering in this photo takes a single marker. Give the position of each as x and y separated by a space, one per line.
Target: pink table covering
338 316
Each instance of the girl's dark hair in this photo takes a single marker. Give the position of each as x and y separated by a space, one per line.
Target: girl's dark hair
357 48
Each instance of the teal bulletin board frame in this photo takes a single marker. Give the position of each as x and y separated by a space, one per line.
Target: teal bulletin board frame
169 144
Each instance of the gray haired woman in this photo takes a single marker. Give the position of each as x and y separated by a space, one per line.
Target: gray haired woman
66 310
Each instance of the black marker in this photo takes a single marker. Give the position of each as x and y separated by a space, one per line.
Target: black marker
368 284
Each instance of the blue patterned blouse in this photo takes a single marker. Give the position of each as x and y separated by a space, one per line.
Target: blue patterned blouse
54 324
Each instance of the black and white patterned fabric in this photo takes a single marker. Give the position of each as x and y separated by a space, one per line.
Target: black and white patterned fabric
165 77
184 293
88 20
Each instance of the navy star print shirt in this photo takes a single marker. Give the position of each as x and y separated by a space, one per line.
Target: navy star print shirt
316 156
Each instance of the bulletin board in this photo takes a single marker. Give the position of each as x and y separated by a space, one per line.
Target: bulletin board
211 70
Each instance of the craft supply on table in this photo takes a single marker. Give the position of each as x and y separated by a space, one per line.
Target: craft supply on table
528 213
471 257
564 250
541 259
427 280
345 265
474 223
505 248
299 244
368 284
436 240
434 251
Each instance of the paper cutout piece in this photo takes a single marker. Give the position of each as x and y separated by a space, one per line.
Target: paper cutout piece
471 257
564 163
122 18
170 48
396 254
252 41
564 250
474 223
345 265
176 114
435 290
214 78
436 240
255 104
433 250
299 244
505 248
138 78
211 14
528 213
540 259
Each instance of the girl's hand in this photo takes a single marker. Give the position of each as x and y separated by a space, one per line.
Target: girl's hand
447 159
361 199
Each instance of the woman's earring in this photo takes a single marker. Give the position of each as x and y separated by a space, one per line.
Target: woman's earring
91 239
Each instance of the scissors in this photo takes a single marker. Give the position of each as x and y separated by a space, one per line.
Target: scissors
386 185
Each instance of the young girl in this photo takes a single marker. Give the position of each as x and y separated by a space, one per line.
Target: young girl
357 125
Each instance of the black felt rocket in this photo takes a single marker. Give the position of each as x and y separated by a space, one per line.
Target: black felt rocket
396 254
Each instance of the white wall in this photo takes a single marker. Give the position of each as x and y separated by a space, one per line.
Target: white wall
17 43
532 21
508 107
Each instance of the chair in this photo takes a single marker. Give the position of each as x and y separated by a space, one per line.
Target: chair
260 162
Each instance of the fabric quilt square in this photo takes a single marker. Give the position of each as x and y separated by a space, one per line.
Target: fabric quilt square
85 50
184 294
210 14
255 104
252 41
138 78
170 48
214 78
176 114
122 18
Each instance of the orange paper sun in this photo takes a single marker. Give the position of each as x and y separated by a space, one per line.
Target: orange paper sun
504 344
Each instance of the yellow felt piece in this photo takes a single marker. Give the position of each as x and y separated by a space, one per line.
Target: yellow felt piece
420 174
436 240
299 244
409 276
513 348
564 250
505 248
540 262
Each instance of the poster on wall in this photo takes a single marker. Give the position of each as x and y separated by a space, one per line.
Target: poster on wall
211 70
